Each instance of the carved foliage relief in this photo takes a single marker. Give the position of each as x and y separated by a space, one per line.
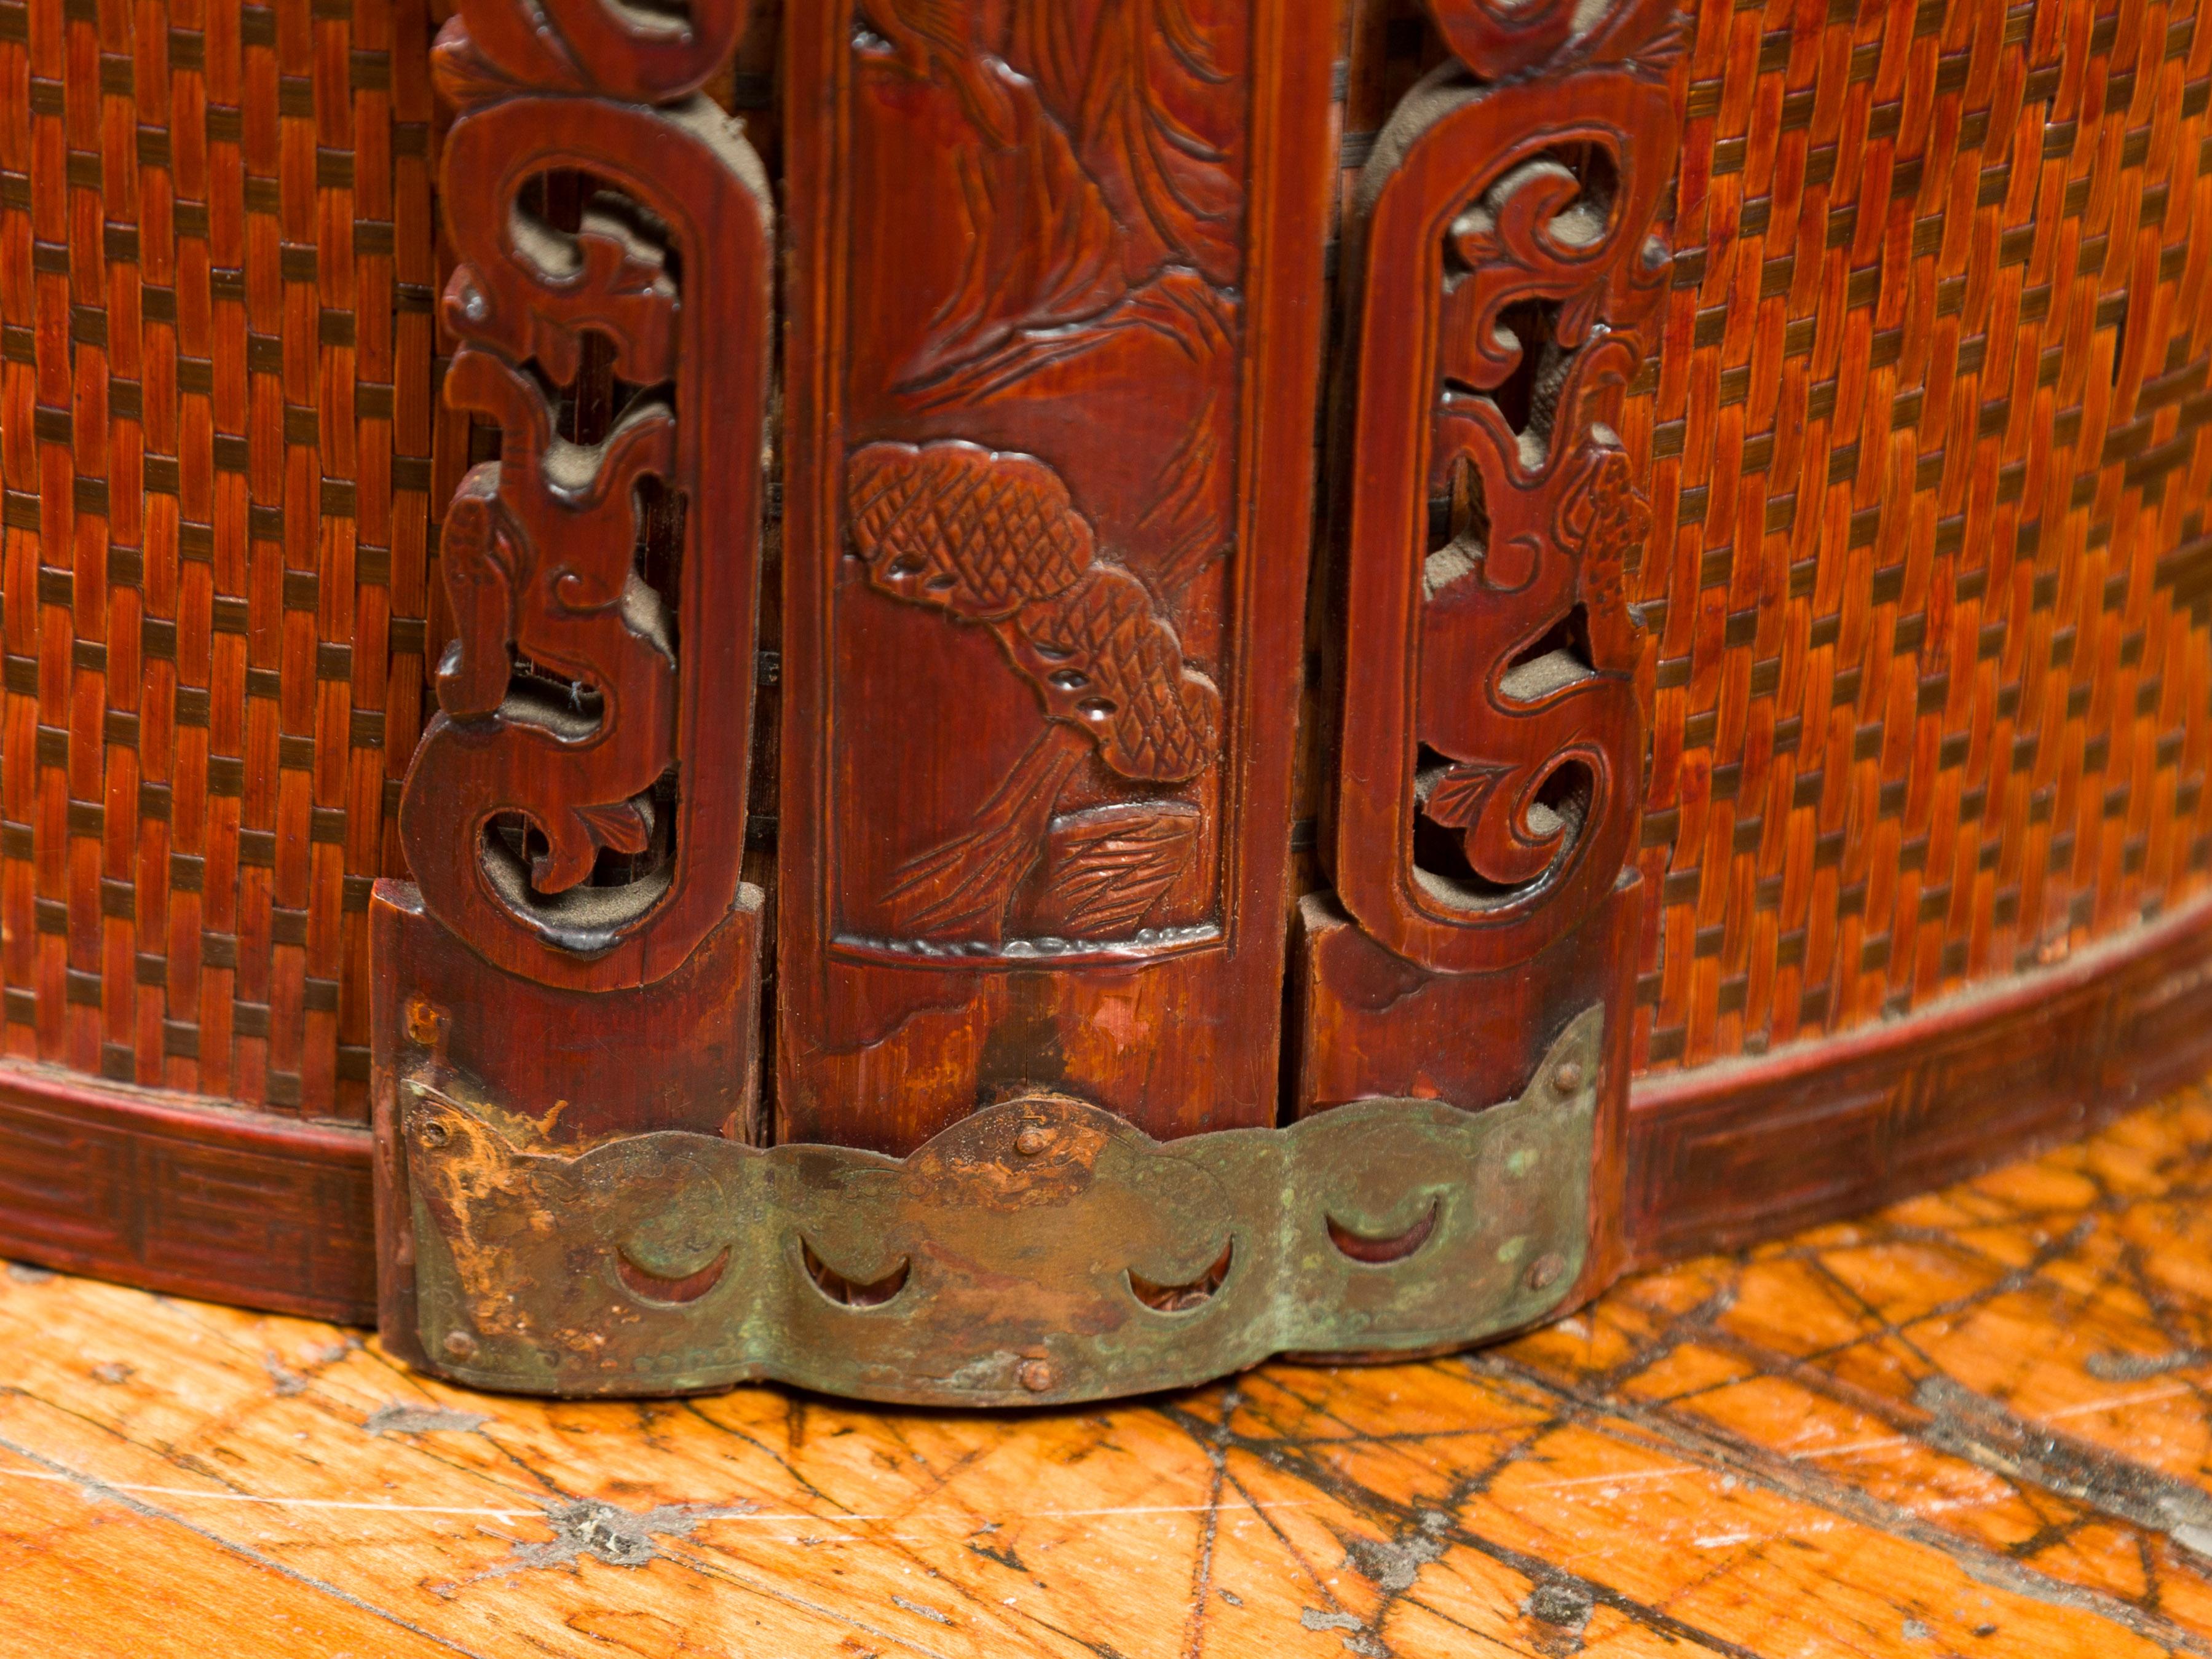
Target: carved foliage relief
1492 746
1044 328
590 714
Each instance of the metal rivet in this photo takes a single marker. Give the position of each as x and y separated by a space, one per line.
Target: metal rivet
1568 1078
1032 1140
460 1345
432 1133
1545 1271
1037 1376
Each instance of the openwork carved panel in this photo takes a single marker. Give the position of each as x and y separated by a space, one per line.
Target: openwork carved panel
1054 338
576 935
1504 269
1490 747
575 812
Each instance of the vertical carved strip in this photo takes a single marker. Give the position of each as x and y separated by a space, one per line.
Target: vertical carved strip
1492 744
1055 333
1504 268
577 950
575 812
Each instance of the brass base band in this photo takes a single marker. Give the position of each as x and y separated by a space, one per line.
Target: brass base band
1041 1250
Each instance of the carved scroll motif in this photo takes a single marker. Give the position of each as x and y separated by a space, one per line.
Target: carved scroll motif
597 694
1491 742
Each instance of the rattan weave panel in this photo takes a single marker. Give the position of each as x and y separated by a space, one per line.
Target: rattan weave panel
1932 692
1931 685
214 426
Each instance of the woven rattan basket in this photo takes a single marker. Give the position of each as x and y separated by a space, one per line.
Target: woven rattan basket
218 434
1925 661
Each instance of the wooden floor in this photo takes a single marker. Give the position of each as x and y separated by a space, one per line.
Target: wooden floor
1975 1425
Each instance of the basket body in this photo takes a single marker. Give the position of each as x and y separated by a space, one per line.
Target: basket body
217 438
1914 659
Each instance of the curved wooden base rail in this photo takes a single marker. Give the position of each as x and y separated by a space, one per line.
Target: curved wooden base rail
168 1192
1724 1155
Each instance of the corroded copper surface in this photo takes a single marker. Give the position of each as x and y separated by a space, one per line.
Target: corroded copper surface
1040 1250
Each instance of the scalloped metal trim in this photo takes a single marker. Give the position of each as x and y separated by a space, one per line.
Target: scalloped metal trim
1041 1250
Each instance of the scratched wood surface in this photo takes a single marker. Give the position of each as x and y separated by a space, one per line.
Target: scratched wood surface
1972 1425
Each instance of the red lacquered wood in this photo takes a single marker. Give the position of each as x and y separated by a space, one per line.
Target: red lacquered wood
167 1191
1055 319
597 699
1487 748
1488 752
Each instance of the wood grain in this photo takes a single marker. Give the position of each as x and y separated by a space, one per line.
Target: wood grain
1971 1424
1056 315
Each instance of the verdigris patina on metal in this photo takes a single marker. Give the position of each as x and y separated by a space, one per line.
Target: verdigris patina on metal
1040 1250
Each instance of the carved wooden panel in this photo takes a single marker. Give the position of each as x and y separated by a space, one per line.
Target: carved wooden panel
577 937
1055 319
576 812
1488 757
1490 751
